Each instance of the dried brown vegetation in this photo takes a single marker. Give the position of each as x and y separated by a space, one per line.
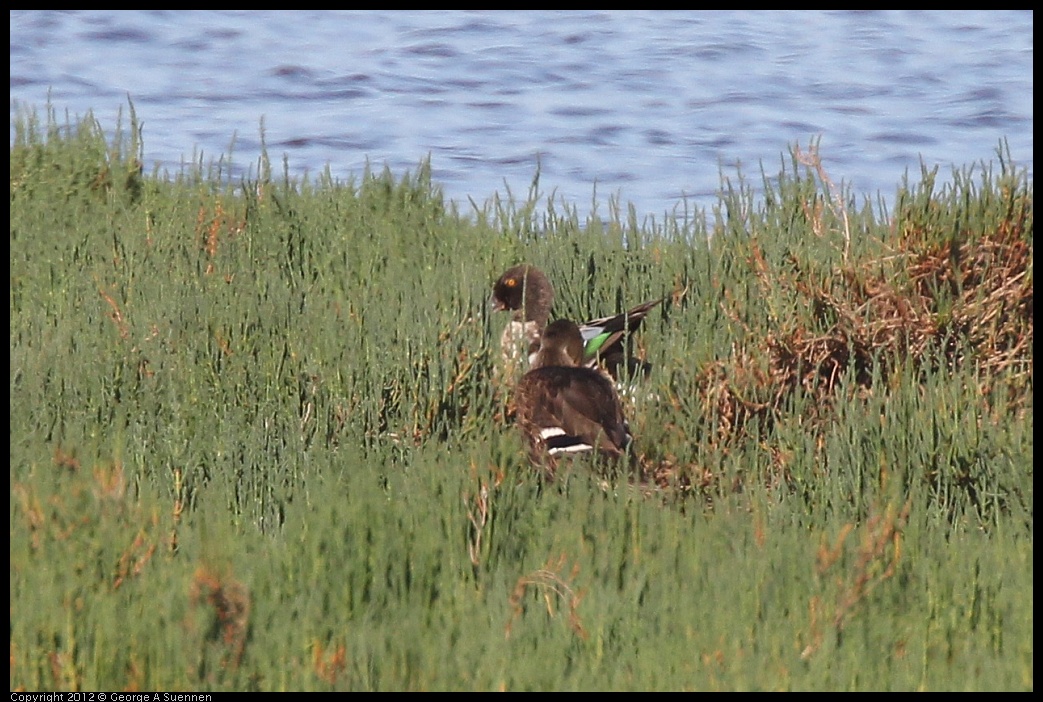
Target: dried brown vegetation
930 301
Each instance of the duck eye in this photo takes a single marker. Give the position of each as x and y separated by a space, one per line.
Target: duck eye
512 282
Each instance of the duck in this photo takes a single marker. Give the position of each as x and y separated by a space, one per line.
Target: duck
564 408
527 293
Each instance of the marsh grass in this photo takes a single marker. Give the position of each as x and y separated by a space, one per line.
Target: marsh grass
258 442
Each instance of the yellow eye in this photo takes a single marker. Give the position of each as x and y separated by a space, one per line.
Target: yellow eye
512 282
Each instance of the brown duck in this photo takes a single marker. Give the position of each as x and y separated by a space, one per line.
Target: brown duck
564 408
529 295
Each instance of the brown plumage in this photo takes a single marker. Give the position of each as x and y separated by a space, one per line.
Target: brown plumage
565 409
524 291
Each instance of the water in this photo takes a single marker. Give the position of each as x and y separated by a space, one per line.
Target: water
649 107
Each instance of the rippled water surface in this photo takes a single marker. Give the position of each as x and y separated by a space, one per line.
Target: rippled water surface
646 106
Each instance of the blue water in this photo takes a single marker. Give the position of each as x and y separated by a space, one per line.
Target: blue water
649 107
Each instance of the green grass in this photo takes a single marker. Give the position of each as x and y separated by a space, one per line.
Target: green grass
257 440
